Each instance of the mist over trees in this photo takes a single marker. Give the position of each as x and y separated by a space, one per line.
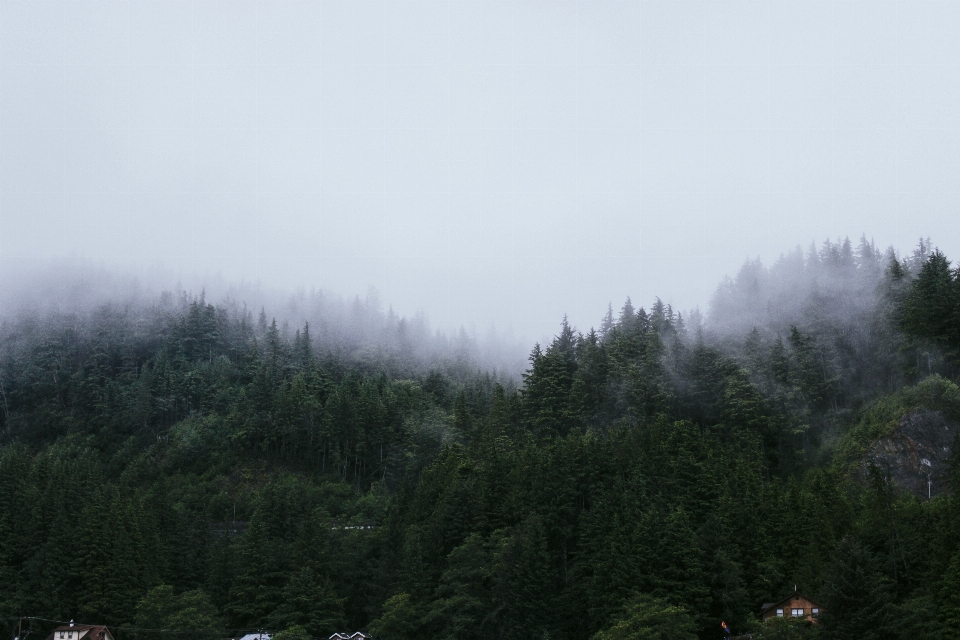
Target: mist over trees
356 328
179 465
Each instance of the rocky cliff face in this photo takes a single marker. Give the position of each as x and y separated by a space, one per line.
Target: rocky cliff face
917 452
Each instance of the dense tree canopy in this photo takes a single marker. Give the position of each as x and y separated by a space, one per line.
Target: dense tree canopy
182 467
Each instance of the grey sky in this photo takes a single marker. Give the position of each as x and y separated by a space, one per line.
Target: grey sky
484 161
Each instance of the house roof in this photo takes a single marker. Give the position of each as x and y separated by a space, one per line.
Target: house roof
94 630
795 594
356 635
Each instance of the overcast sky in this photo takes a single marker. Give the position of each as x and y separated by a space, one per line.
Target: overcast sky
482 161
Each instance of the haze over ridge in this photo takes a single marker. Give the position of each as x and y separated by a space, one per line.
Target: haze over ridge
505 162
840 280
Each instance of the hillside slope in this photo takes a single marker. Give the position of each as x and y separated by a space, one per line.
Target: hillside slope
181 467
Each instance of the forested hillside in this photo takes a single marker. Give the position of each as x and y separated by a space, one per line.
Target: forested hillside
180 467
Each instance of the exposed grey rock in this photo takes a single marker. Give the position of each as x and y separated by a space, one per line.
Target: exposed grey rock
916 451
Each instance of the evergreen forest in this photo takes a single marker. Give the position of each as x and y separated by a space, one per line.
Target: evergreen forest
176 468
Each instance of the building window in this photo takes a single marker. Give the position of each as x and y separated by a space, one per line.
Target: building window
780 612
796 613
815 612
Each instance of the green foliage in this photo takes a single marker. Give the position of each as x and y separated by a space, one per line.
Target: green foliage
932 306
463 603
916 617
949 608
399 620
296 632
308 603
881 417
786 628
163 609
857 597
189 468
648 618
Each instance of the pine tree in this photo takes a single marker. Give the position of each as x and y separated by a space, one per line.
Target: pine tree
462 421
627 316
257 590
607 324
949 600
463 604
262 322
931 306
857 597
309 601
163 608
868 259
648 618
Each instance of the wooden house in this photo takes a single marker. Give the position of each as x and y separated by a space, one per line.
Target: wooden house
81 632
795 605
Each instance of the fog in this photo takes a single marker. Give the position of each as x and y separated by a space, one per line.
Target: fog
482 163
75 295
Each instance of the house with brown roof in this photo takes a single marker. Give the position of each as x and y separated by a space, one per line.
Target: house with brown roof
793 606
81 632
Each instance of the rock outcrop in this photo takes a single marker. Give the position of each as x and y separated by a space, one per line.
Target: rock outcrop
916 453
